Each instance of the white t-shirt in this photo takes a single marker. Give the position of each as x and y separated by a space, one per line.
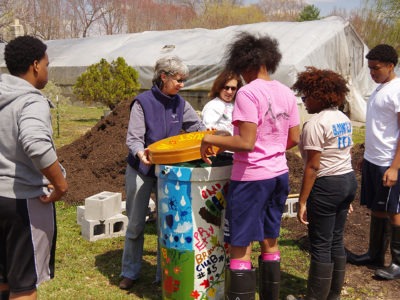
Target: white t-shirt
218 114
382 130
329 132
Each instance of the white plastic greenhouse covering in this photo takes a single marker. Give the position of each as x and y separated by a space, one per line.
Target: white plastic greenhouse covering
330 43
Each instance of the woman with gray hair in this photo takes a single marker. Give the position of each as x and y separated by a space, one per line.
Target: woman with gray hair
155 115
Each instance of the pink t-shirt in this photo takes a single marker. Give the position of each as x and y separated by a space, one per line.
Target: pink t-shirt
273 107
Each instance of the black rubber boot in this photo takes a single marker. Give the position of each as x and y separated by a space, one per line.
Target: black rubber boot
379 236
392 271
319 280
269 279
4 295
240 284
339 271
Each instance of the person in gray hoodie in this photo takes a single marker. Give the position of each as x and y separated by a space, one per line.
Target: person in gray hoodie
31 178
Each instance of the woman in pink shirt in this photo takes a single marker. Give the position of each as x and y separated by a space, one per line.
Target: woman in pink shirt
266 124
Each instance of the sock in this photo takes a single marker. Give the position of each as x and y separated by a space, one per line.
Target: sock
237 264
274 256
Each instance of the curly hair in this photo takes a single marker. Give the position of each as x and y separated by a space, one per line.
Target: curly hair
221 80
22 52
326 86
383 53
249 53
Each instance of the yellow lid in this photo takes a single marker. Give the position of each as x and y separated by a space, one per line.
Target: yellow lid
179 148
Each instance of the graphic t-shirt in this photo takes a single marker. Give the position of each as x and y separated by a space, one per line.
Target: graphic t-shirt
273 107
329 132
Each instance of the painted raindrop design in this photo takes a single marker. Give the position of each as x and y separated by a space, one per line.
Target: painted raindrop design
183 201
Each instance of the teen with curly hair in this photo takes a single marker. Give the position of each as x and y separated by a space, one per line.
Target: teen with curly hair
380 185
266 124
329 183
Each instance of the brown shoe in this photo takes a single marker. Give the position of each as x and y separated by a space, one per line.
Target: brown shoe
126 283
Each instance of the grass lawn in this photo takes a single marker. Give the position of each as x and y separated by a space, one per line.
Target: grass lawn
90 270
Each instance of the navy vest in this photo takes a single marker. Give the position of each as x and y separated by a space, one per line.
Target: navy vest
163 116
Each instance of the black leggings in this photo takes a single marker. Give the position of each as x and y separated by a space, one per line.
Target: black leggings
327 208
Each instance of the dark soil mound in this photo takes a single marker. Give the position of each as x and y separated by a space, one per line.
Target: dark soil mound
96 162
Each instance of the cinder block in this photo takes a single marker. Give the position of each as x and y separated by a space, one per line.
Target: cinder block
290 207
93 230
152 211
102 206
117 225
80 214
123 206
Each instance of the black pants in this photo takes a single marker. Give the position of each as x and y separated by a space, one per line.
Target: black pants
327 208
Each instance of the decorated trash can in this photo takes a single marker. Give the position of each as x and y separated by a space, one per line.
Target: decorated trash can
191 202
190 212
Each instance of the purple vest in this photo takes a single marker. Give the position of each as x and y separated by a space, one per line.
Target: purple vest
163 116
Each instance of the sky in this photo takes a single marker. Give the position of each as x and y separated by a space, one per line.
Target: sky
326 6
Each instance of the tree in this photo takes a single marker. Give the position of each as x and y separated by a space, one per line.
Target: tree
389 8
309 13
226 13
281 10
107 83
377 23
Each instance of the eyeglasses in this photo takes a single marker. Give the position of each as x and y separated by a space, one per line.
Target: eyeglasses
179 80
227 88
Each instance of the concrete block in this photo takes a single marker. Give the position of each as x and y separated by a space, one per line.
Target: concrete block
117 225
80 214
123 206
93 230
102 206
290 207
152 211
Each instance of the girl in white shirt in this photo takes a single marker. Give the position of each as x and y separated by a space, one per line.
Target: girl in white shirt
217 113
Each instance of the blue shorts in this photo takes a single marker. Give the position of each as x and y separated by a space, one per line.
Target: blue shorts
376 196
27 243
254 210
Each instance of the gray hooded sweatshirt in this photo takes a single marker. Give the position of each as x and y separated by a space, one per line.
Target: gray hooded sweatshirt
26 144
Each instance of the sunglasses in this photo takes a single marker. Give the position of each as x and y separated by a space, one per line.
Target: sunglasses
227 88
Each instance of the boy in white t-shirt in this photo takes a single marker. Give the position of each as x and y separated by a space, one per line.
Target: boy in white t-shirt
380 186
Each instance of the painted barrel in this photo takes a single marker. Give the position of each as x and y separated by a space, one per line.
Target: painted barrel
191 209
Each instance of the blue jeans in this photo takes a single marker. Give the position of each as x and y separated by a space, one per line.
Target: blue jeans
327 208
138 189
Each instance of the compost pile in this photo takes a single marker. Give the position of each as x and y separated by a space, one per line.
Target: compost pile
96 162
